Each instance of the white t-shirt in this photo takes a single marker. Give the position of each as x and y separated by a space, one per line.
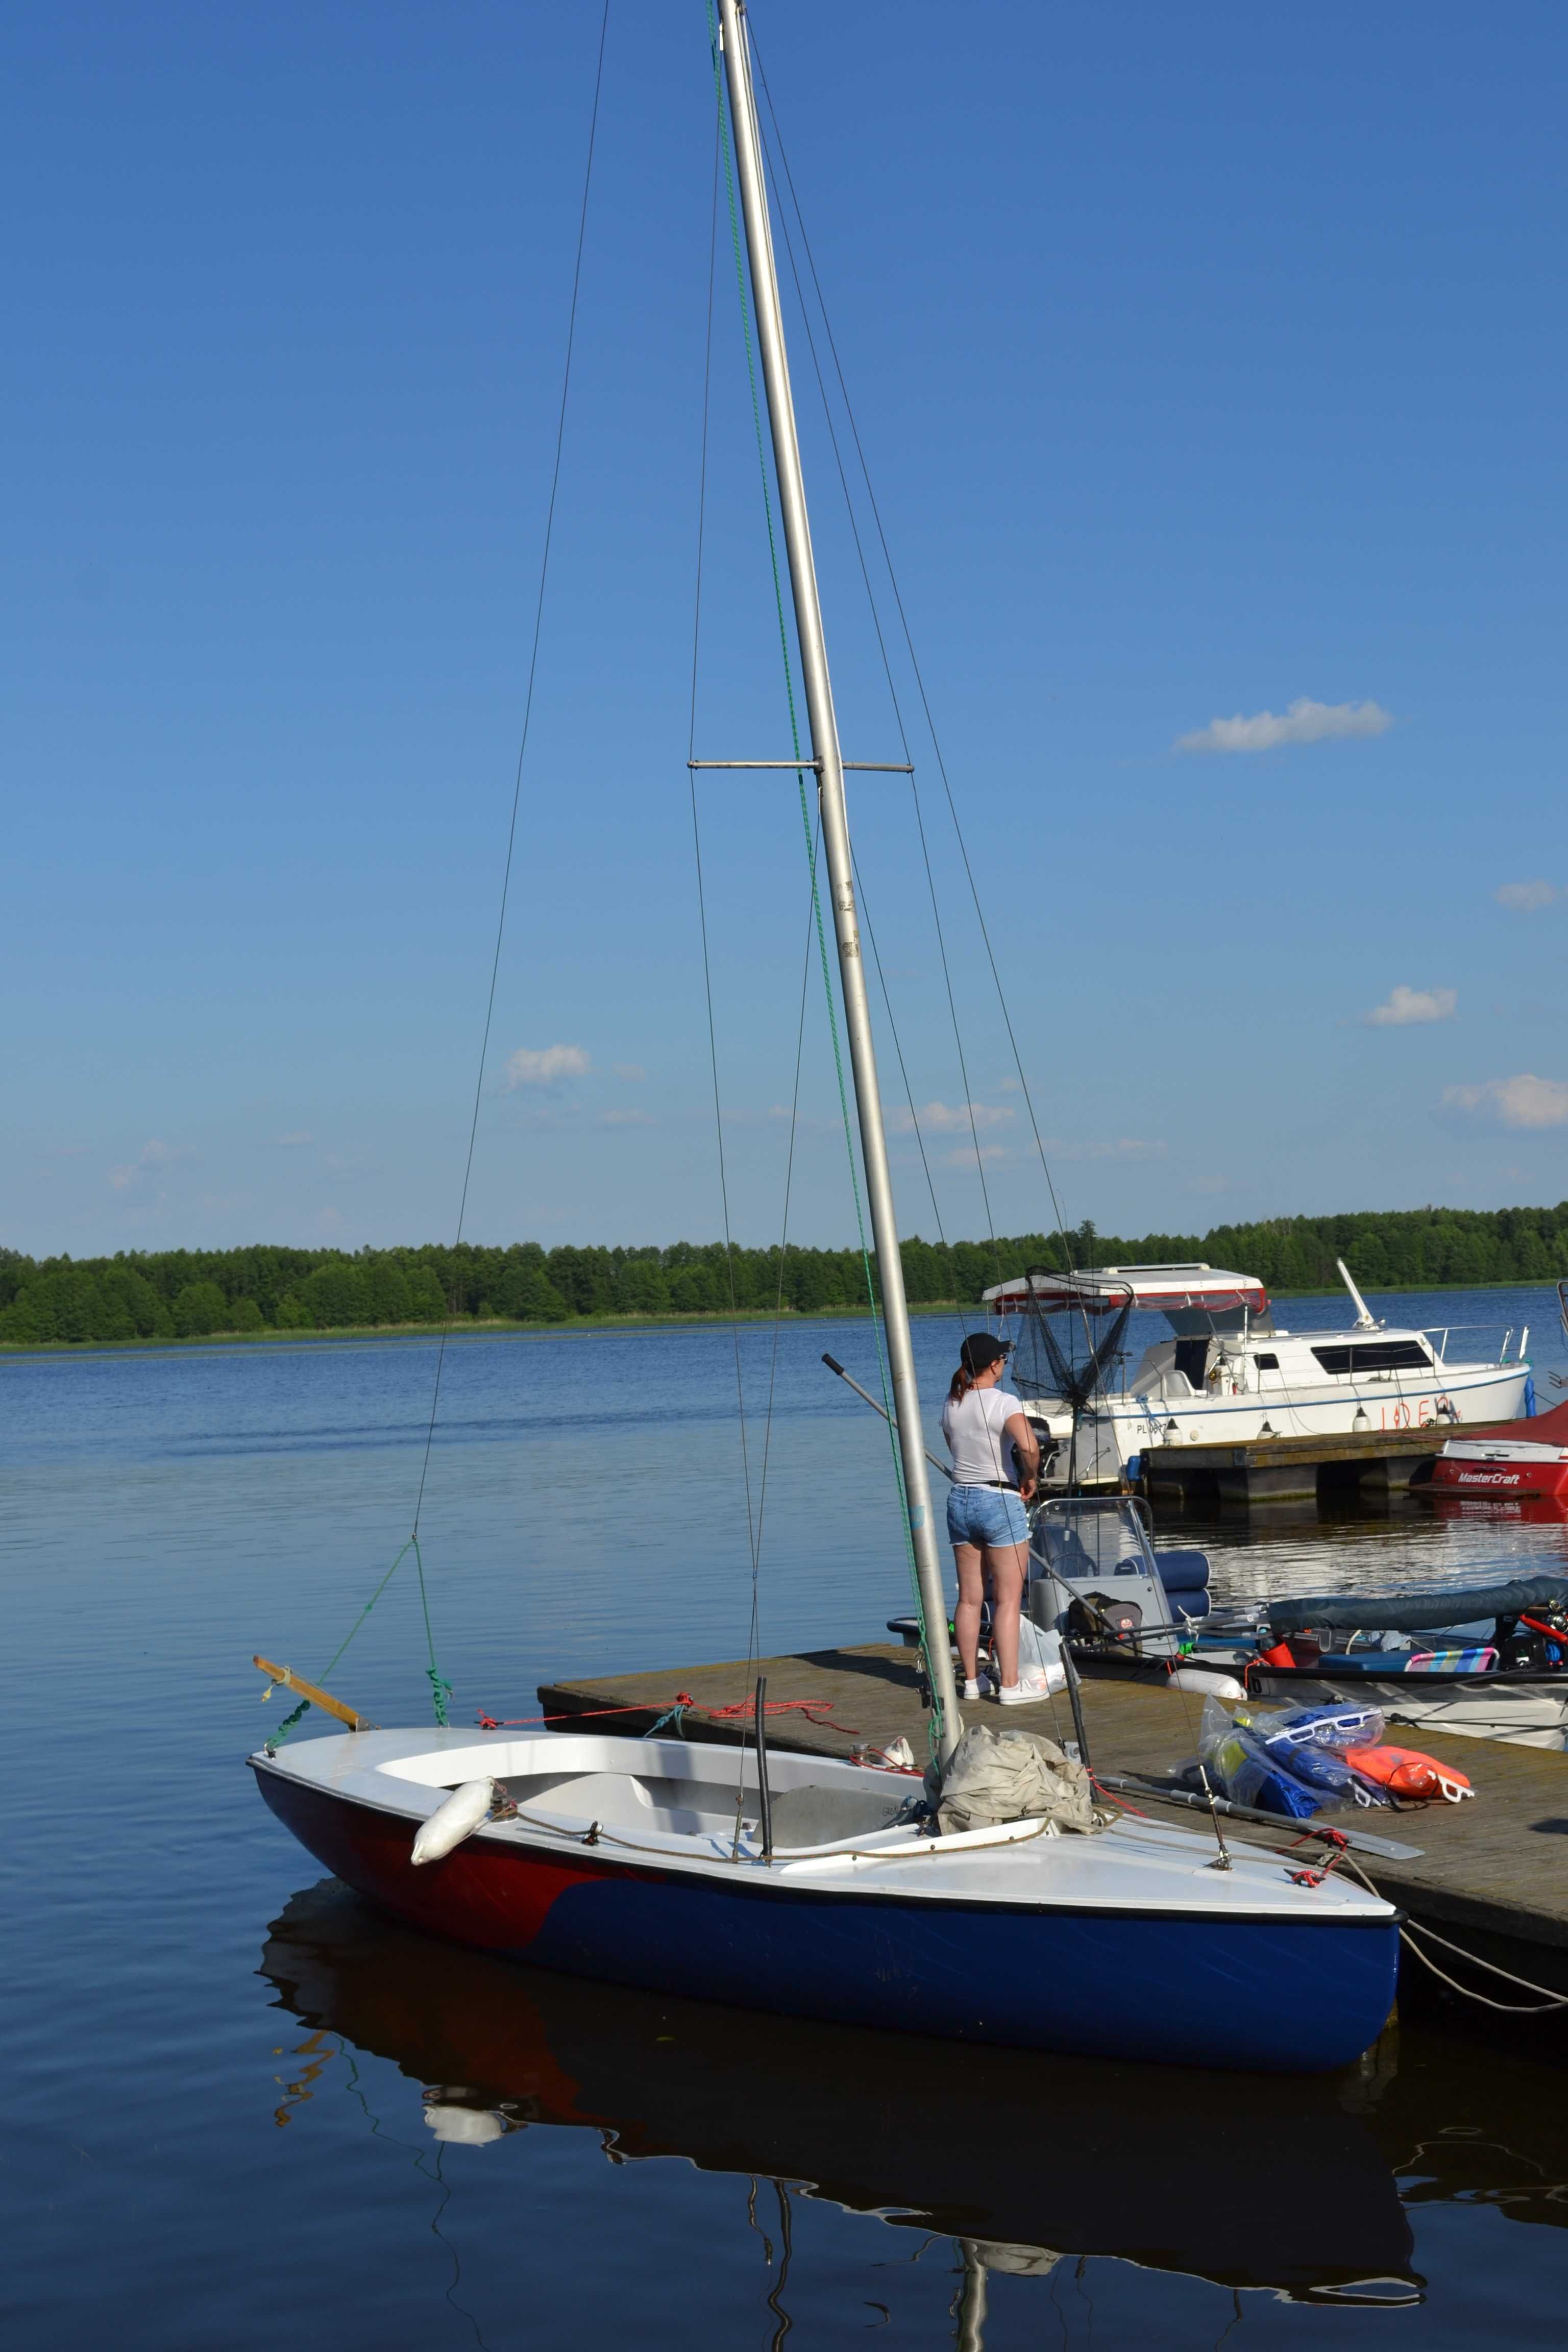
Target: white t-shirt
973 1428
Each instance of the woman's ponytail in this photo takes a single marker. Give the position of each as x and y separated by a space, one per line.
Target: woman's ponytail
962 1383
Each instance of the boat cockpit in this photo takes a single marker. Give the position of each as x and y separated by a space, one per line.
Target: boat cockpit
1092 1558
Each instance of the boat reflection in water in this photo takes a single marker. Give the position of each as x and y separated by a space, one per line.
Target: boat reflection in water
1497 1510
1247 2181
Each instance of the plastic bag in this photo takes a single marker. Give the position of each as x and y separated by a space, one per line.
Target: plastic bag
1308 1743
1345 1724
1239 1766
1040 1663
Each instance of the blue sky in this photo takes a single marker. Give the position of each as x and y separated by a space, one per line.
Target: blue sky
1209 364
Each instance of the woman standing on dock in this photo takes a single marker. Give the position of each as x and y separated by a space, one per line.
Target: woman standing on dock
995 1462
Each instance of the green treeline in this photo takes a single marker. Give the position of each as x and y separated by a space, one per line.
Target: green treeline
191 1294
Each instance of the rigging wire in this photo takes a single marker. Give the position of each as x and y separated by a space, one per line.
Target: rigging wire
904 1071
751 1534
527 721
897 710
783 1232
754 1523
874 1302
1062 1229
516 800
754 1634
440 1689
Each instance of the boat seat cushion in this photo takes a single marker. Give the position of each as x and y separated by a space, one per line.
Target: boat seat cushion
1183 1571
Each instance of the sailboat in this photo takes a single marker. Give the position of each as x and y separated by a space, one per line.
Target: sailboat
810 1887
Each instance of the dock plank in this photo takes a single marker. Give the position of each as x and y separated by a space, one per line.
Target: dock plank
1498 1864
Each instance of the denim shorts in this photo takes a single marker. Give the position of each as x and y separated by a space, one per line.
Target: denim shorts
987 1514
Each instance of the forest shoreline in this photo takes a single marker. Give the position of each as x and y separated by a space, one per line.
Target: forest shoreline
261 1288
466 1328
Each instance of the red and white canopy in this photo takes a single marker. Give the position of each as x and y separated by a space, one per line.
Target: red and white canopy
1163 1289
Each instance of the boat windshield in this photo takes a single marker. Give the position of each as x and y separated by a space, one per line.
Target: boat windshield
1092 1535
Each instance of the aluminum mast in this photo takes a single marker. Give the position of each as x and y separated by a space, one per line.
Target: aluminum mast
829 766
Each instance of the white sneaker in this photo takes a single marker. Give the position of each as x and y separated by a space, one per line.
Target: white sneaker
979 1688
1021 1694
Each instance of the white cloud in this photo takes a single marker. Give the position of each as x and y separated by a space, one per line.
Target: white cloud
961 1159
1120 1147
536 1066
1405 1005
952 1118
1304 722
153 1154
1528 898
297 1136
1524 1101
633 1071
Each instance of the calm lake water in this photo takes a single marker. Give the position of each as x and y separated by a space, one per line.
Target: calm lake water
243 2111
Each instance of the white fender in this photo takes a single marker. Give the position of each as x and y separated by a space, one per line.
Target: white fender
450 1823
1208 1681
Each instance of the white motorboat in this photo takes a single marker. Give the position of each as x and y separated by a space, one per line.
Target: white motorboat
1228 1375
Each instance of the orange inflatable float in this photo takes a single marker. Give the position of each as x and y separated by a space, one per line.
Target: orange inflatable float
1406 1772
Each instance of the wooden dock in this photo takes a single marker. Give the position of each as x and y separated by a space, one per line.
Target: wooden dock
1297 1469
1493 1872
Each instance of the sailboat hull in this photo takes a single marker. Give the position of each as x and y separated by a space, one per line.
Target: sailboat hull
1297 1996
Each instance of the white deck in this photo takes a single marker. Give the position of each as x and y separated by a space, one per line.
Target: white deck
674 1804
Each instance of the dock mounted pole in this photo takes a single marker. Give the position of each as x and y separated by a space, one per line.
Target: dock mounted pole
829 765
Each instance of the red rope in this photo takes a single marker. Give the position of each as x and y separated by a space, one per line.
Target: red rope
813 1709
1120 1802
1334 1839
745 1709
516 1722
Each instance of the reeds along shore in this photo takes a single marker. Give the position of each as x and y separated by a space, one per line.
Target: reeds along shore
249 1292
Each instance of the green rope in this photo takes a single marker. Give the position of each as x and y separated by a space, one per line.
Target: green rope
442 1691
675 1714
935 1726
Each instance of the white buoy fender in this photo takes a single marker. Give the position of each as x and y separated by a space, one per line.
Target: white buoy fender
450 1823
1207 1682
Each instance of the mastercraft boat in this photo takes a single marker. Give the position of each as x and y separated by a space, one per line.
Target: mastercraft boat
816 1887
1228 1374
1521 1461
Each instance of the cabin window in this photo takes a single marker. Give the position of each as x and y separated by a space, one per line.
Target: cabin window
1267 1363
1375 1356
1192 1357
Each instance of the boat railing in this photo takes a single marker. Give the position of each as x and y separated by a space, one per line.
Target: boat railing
1439 1336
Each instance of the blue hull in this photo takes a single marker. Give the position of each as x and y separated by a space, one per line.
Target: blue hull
1248 1995
1282 1997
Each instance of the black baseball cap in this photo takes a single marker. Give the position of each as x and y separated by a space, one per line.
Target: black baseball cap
981 1349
